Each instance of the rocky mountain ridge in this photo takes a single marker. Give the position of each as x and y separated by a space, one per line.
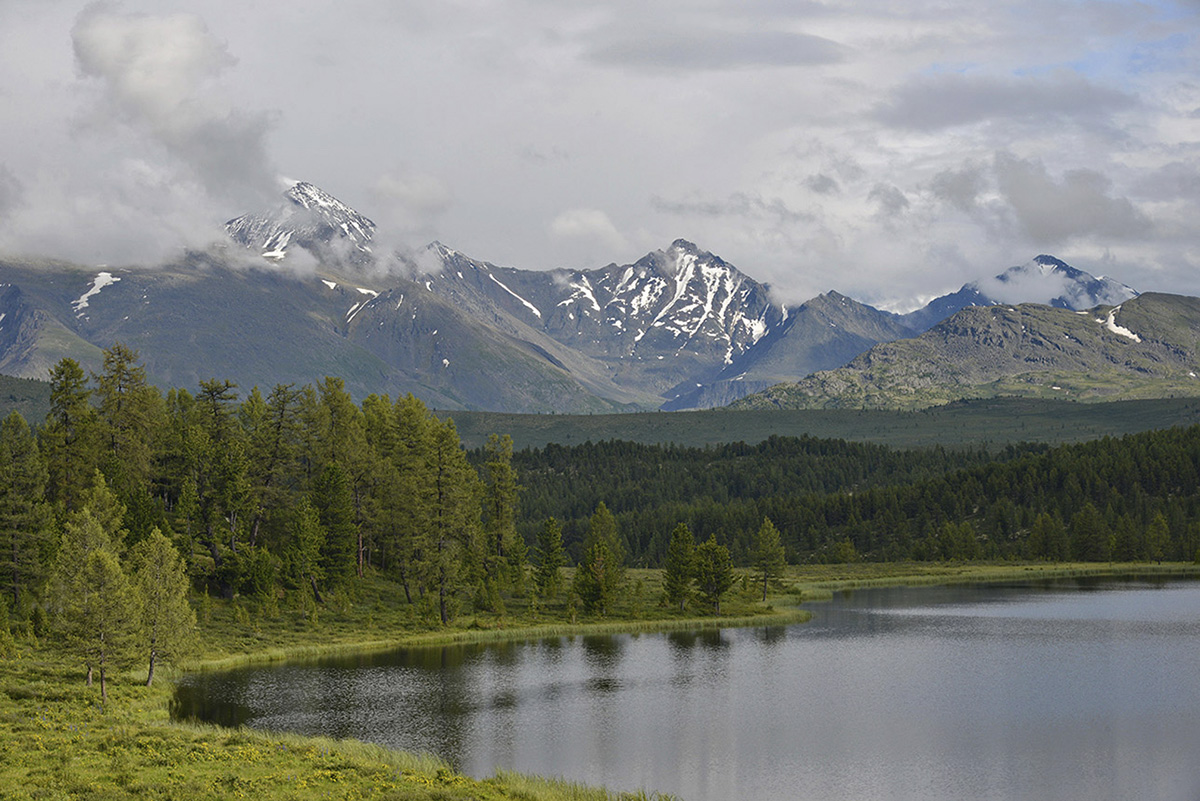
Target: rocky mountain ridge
679 328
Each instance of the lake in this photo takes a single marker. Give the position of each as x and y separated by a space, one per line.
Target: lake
1064 690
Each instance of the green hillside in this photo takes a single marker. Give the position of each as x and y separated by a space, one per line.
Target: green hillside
996 420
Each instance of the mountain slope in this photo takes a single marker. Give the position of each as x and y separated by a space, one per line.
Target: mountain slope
1045 280
1146 347
679 314
203 318
821 334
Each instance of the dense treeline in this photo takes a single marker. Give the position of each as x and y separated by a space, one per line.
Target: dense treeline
292 494
650 488
1130 499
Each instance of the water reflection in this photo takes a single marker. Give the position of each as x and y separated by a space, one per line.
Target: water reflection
1081 689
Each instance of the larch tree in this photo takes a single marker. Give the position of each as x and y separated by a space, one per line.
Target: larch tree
453 550
131 416
82 534
766 554
505 552
334 502
713 572
26 521
597 578
550 559
101 615
69 439
678 566
168 623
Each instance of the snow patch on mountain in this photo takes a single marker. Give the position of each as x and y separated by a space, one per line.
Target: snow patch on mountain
101 280
1111 324
537 312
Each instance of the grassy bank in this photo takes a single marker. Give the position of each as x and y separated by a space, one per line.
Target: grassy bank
820 582
57 741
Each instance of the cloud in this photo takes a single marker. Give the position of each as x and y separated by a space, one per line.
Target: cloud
11 191
407 205
706 50
1051 212
822 184
960 188
1023 286
891 201
740 205
587 224
156 74
930 103
1172 181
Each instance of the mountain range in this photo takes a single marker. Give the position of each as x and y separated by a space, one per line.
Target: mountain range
679 328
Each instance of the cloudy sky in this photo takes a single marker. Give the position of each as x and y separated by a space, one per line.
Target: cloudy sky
890 154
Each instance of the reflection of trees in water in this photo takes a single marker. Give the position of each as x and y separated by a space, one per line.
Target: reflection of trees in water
684 642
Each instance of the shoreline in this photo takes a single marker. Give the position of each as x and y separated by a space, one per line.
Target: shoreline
785 606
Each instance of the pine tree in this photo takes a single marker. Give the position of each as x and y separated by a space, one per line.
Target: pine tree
304 549
69 440
677 569
550 558
594 578
505 551
167 622
453 560
25 518
131 415
334 503
713 572
100 614
766 554
1158 537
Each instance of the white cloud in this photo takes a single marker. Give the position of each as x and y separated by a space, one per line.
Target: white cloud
814 145
587 224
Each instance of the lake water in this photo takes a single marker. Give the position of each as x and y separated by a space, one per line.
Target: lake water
1078 690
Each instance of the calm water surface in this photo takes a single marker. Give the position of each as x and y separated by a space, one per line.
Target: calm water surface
1067 691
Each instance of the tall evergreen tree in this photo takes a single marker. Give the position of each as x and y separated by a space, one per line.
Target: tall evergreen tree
304 549
550 559
342 439
595 579
101 615
453 549
766 553
1090 535
69 439
334 502
131 415
677 568
505 551
713 572
167 621
26 521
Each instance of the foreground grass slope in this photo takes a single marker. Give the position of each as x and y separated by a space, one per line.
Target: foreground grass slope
58 741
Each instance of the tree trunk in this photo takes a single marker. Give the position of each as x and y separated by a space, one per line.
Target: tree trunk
150 673
316 592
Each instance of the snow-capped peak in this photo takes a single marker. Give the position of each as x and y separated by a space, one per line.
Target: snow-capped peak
308 217
1053 282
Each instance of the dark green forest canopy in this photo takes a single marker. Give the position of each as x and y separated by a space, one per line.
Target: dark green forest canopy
834 500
